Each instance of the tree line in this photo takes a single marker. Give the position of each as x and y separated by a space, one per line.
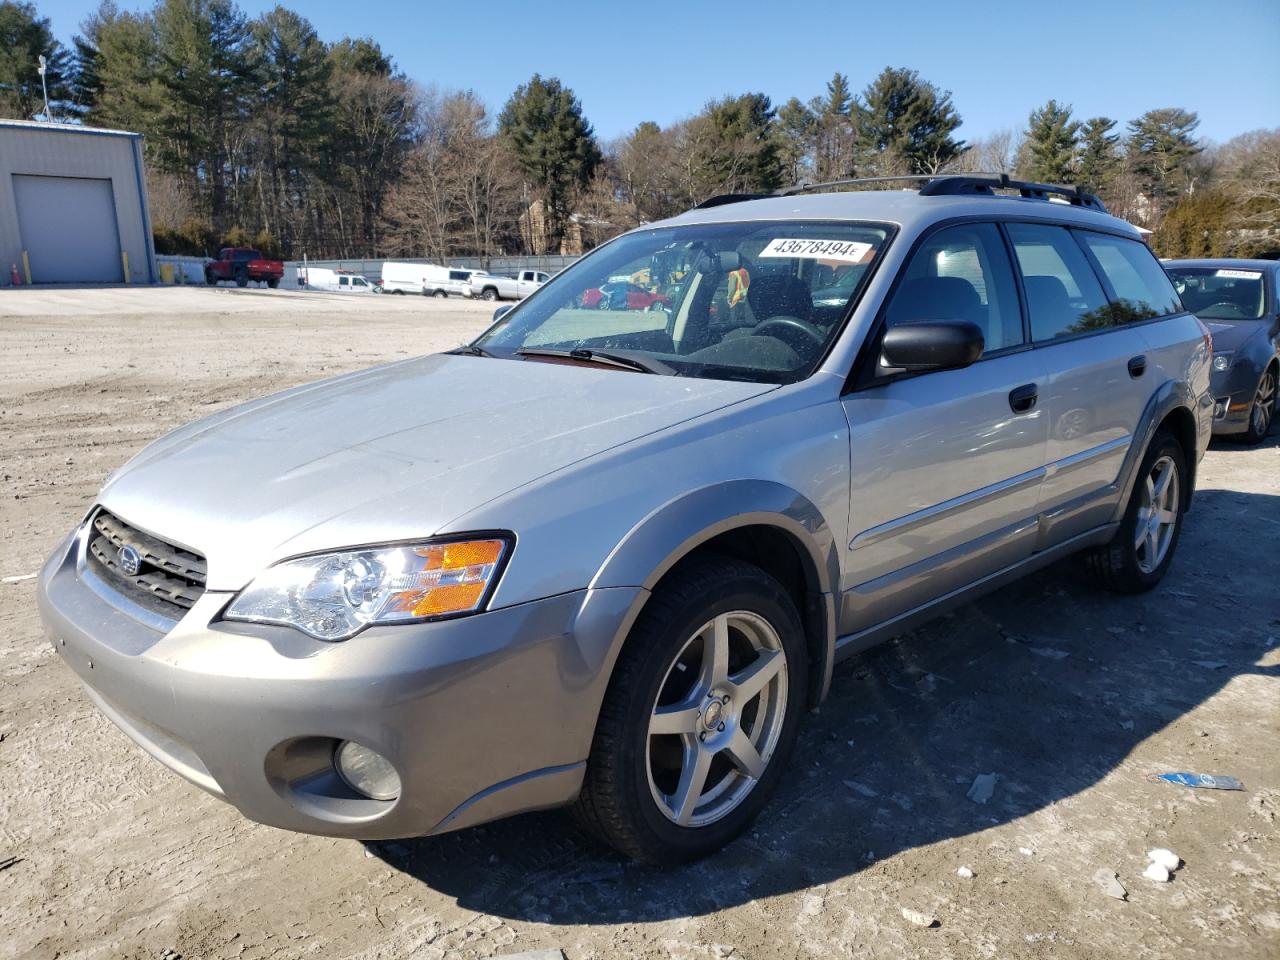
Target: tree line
257 131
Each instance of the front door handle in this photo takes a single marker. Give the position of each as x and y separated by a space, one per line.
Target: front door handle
1137 366
1023 399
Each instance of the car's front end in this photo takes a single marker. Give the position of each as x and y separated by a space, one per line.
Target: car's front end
1230 297
405 729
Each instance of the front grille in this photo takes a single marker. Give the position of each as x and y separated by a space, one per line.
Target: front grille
169 579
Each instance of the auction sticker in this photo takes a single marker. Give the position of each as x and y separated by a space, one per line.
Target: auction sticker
843 251
1240 274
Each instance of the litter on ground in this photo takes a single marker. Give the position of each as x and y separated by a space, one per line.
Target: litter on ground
984 785
1205 781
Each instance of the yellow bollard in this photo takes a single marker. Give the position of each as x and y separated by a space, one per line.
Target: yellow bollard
166 273
26 267
124 258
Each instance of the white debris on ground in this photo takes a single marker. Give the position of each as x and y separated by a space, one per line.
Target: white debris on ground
1110 883
919 917
984 785
964 873
1166 858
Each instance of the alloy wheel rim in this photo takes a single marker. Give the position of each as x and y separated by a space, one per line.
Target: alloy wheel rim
717 719
1264 404
1157 515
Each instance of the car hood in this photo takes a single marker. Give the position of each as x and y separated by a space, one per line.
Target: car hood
393 453
1229 335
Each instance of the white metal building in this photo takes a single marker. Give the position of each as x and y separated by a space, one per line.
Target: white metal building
73 205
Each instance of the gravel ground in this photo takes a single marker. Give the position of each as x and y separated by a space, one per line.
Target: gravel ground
1070 696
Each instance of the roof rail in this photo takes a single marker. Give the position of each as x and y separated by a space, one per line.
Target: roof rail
807 186
934 185
721 199
985 184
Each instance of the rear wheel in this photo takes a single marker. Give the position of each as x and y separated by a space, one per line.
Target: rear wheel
1139 554
700 716
273 283
489 294
242 278
1263 409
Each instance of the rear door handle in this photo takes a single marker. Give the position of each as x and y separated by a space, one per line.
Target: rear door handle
1022 399
1137 366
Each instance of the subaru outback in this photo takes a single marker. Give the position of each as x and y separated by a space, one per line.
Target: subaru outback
607 559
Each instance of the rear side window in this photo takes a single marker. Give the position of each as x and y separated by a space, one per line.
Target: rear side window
1141 287
962 273
1064 296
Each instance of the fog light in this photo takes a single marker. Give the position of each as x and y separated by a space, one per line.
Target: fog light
366 771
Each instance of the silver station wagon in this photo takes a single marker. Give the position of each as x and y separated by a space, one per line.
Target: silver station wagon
606 555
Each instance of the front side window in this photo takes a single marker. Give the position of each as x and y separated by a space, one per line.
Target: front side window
1141 287
962 273
1064 296
1221 293
758 301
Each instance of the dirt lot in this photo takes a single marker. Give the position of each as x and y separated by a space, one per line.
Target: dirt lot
1070 696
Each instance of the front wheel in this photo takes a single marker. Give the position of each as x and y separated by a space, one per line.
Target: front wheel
242 278
273 283
1263 408
700 715
210 278
1139 555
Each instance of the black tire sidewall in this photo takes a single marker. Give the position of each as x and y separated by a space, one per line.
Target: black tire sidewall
1162 445
764 597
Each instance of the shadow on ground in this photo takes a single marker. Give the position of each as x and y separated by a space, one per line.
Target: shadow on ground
1048 683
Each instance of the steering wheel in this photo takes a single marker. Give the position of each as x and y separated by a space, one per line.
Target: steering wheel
794 332
1233 307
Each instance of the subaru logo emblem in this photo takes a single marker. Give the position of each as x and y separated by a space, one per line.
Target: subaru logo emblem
130 560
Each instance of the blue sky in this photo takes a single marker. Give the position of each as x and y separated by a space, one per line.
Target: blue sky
662 61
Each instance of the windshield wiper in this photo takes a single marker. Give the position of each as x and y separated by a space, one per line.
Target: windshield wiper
605 358
471 350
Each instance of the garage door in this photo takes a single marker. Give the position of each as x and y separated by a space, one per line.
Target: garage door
68 227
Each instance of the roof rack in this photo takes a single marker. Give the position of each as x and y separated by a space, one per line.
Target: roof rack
934 185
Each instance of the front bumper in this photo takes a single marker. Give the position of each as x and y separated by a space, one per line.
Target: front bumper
482 716
1233 392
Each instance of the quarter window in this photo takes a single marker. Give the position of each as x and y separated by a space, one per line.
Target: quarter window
1142 289
1064 296
962 273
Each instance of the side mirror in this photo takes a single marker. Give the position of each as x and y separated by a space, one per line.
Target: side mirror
501 312
931 345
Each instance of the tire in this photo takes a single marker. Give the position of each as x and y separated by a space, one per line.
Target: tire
624 800
1139 555
441 293
273 283
210 278
242 278
1262 411
489 294
399 293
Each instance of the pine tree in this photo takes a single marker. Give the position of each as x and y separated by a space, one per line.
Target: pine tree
1161 146
1049 145
794 131
907 124
24 38
202 71
552 143
1099 154
835 133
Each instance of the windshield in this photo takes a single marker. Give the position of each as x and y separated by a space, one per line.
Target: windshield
740 301
1213 293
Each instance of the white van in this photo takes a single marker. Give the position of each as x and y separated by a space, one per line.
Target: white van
428 279
322 278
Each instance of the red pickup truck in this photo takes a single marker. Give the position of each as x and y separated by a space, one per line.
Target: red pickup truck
243 264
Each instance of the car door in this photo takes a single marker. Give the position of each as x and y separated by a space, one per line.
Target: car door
525 285
1097 370
945 466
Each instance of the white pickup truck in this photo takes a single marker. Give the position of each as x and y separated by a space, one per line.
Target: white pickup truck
489 287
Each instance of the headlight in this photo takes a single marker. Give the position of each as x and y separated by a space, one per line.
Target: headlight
333 596
1221 361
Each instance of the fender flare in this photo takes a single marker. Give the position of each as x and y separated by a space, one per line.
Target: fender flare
1172 395
673 530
